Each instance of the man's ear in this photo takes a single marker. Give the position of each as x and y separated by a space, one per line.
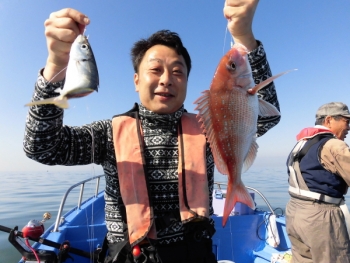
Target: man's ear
327 121
136 81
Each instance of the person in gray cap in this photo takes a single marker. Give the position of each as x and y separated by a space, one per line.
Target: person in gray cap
317 218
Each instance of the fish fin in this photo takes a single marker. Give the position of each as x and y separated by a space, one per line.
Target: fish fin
60 101
207 125
58 90
266 109
236 194
250 156
268 81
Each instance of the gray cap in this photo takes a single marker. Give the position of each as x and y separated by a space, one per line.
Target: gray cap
333 109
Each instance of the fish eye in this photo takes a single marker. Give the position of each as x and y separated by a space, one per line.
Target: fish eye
232 66
84 46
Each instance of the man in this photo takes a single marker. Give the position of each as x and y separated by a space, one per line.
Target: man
155 215
319 175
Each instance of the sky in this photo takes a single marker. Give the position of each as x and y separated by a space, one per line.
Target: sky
312 36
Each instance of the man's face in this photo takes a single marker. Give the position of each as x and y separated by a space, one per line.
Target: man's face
162 80
339 127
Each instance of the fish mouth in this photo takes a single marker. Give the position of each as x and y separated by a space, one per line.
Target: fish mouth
81 38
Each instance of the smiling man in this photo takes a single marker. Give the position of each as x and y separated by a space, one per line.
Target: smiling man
319 175
158 203
161 77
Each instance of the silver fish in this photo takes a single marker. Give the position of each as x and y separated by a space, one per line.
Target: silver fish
81 75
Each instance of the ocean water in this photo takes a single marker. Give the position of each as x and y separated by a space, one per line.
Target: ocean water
26 196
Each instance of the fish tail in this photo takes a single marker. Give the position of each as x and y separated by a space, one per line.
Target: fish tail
233 195
60 101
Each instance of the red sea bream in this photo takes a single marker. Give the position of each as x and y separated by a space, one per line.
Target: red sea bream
229 114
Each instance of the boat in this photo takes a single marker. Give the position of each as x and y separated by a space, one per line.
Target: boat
257 236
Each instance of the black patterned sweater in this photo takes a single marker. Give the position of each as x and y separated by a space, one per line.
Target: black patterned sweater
50 142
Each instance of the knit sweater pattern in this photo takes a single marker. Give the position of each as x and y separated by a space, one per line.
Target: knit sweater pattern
48 141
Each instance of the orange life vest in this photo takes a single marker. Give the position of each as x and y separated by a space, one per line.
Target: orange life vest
193 187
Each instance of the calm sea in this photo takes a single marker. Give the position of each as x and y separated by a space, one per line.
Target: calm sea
26 196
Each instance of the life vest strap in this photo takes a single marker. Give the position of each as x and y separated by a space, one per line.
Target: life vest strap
316 196
345 210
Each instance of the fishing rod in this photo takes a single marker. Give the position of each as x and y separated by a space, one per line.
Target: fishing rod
16 233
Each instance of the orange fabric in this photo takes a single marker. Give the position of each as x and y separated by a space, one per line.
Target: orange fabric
197 191
132 180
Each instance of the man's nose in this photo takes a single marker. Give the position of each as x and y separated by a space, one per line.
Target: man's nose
166 79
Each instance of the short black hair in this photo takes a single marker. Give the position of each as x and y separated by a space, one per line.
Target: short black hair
162 37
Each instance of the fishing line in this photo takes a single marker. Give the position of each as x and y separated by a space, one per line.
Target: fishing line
50 82
231 42
56 75
92 142
91 234
223 48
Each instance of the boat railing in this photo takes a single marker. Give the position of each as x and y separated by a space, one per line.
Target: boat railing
81 184
220 184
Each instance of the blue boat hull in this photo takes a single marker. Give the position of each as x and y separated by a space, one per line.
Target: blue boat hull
242 240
